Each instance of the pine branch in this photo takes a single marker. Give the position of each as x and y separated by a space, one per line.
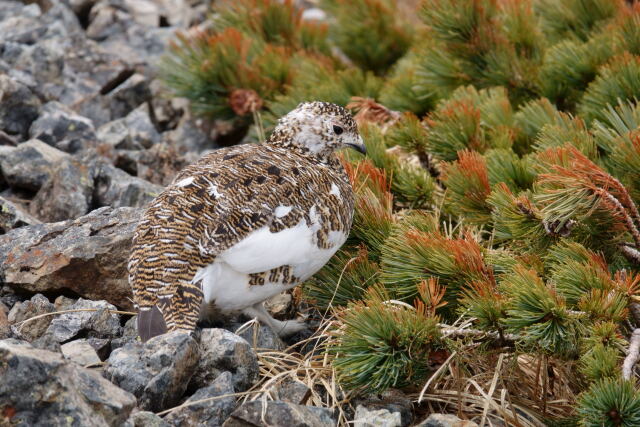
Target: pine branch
631 253
621 211
632 356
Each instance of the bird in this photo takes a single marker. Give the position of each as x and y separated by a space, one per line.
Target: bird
245 223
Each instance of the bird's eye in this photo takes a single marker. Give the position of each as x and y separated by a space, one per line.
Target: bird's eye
337 129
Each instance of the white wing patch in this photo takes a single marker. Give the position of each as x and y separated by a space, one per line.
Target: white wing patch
335 191
282 211
213 191
184 182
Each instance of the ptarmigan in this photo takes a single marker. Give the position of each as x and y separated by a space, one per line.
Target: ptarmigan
245 223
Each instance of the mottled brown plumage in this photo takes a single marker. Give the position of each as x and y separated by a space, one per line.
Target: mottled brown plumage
245 223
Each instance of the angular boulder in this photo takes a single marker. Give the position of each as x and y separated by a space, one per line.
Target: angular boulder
93 319
13 216
133 132
145 419
365 417
80 352
5 331
29 165
156 372
21 311
67 194
38 387
220 351
19 107
88 256
280 414
211 412
445 420
114 187
60 127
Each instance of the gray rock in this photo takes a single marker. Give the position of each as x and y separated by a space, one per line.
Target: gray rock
156 372
130 329
98 323
37 305
128 96
90 75
129 334
120 34
167 112
42 62
145 419
9 297
376 418
108 105
261 336
81 7
60 127
67 194
152 13
210 413
6 139
5 331
161 163
32 24
19 107
29 165
133 132
220 351
293 391
102 347
63 303
44 389
187 137
47 342
13 8
445 420
90 62
80 352
127 160
114 187
87 256
12 216
280 414
108 18
177 13
392 400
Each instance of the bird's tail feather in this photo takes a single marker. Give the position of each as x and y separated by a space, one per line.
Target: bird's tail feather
151 323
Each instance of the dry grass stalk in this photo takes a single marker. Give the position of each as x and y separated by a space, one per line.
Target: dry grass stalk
313 368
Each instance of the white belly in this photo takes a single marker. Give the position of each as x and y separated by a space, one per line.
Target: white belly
225 282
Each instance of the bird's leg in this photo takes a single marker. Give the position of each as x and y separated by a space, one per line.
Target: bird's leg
283 329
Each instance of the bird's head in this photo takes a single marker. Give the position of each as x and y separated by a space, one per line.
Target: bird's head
319 128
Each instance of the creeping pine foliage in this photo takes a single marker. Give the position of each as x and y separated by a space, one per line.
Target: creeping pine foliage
383 345
495 249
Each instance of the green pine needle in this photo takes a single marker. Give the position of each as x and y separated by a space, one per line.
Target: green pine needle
610 402
539 314
600 362
383 345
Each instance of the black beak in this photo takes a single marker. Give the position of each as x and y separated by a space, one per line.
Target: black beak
359 147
